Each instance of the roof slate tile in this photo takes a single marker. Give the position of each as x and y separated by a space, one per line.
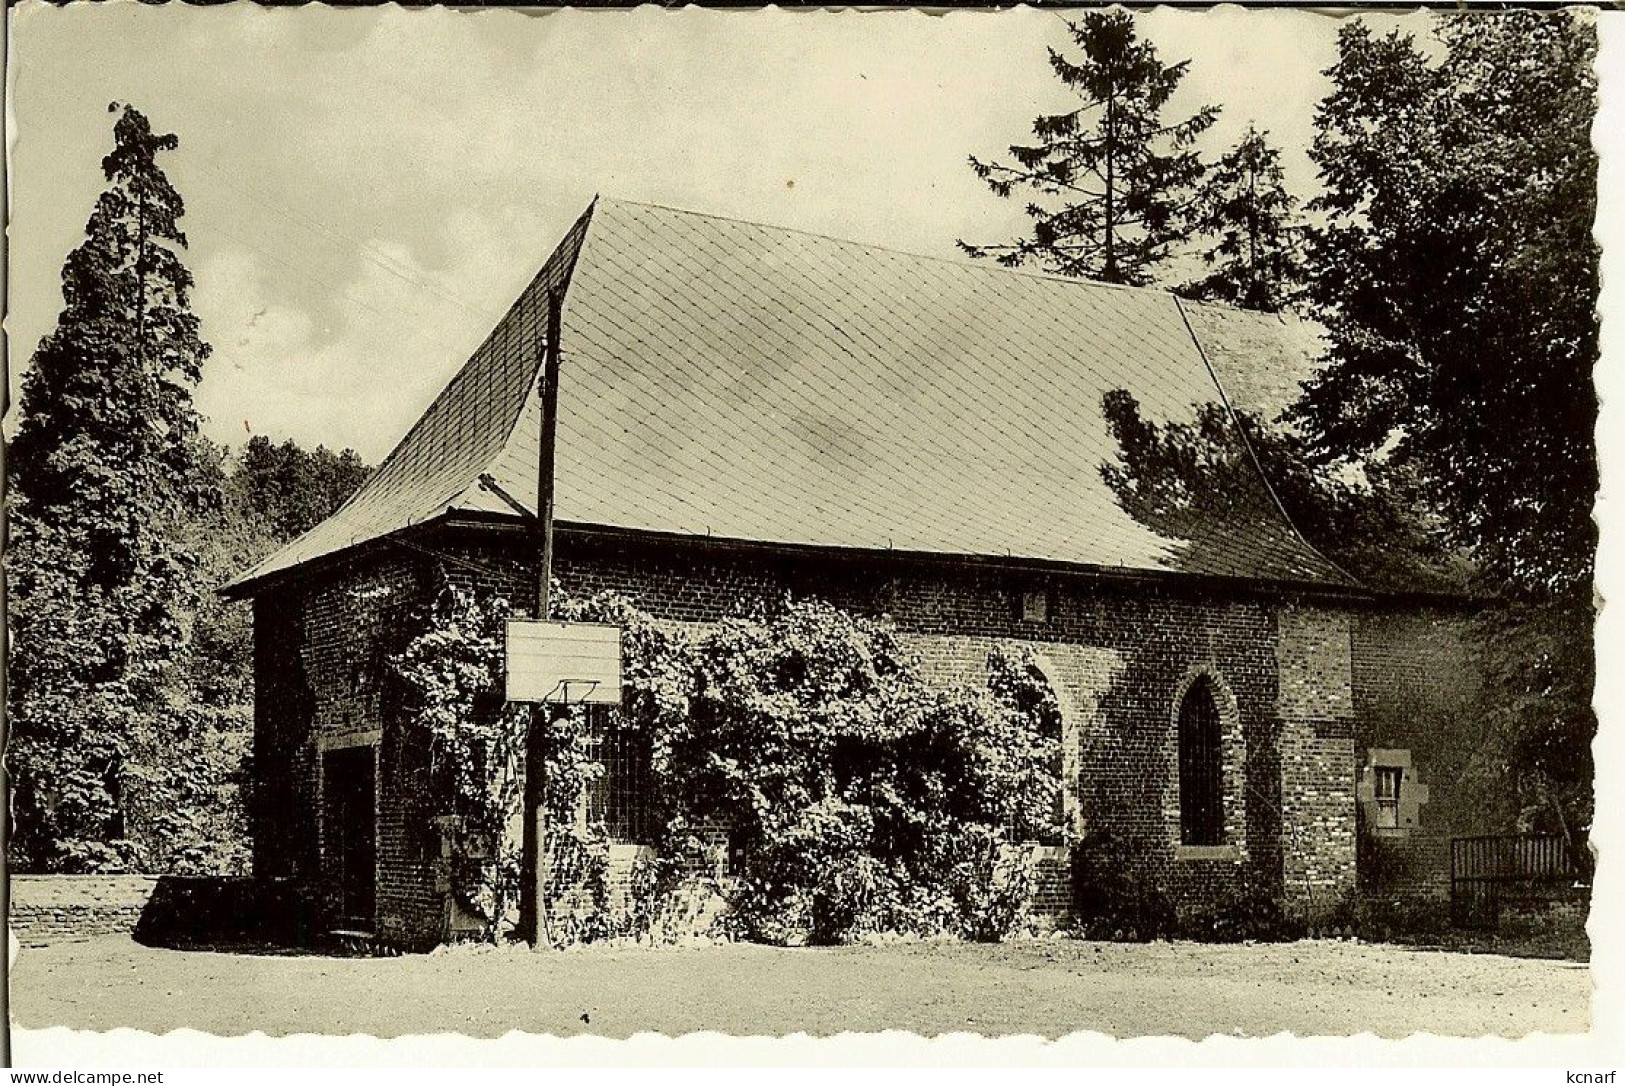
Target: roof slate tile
739 381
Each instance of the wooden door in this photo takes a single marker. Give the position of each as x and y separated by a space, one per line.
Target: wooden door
349 808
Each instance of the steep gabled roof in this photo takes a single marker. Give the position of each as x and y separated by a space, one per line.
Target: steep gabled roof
743 382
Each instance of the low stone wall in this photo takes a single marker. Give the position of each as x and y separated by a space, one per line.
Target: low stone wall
228 910
1549 914
168 910
61 908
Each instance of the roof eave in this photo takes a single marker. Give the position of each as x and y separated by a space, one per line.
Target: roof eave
1353 593
249 587
1003 563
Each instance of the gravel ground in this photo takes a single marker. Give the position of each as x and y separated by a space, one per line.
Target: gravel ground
1049 988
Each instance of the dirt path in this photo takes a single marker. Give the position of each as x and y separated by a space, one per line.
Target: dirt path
1046 988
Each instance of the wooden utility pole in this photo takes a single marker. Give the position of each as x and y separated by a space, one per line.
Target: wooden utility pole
533 861
545 454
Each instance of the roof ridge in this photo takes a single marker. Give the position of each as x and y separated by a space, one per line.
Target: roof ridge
952 261
1279 316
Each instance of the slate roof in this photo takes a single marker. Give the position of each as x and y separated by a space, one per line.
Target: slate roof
1258 359
744 382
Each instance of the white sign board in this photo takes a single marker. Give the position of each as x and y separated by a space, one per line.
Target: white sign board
563 662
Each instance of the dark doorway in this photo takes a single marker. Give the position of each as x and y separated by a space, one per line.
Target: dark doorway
349 791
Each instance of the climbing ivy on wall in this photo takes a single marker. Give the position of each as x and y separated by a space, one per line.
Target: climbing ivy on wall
451 674
859 798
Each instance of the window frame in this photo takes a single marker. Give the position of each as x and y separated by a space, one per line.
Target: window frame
619 800
1385 816
1387 784
1033 605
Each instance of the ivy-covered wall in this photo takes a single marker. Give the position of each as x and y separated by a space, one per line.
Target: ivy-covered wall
1117 654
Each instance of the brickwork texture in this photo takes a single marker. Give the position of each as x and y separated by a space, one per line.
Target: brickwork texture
62 908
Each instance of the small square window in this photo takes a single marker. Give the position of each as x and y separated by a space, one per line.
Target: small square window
1035 605
1388 779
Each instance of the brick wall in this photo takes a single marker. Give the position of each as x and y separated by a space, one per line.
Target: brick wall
1416 689
1118 655
1051 868
64 908
1316 706
623 862
321 650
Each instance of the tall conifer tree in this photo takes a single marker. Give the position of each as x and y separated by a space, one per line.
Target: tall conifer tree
1108 180
1246 215
105 473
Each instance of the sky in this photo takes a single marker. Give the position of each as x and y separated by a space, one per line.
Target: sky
368 189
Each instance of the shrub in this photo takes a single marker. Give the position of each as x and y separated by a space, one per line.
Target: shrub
1244 911
861 799
990 883
1398 915
1115 897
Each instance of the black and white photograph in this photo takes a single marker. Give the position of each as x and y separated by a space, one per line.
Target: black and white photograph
590 523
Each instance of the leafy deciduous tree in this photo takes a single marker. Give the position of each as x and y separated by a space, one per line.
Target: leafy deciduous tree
1183 478
290 489
1457 278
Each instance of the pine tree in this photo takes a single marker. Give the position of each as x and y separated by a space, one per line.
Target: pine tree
105 476
1246 213
1109 178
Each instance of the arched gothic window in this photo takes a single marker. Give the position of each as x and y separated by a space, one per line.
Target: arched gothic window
1201 767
